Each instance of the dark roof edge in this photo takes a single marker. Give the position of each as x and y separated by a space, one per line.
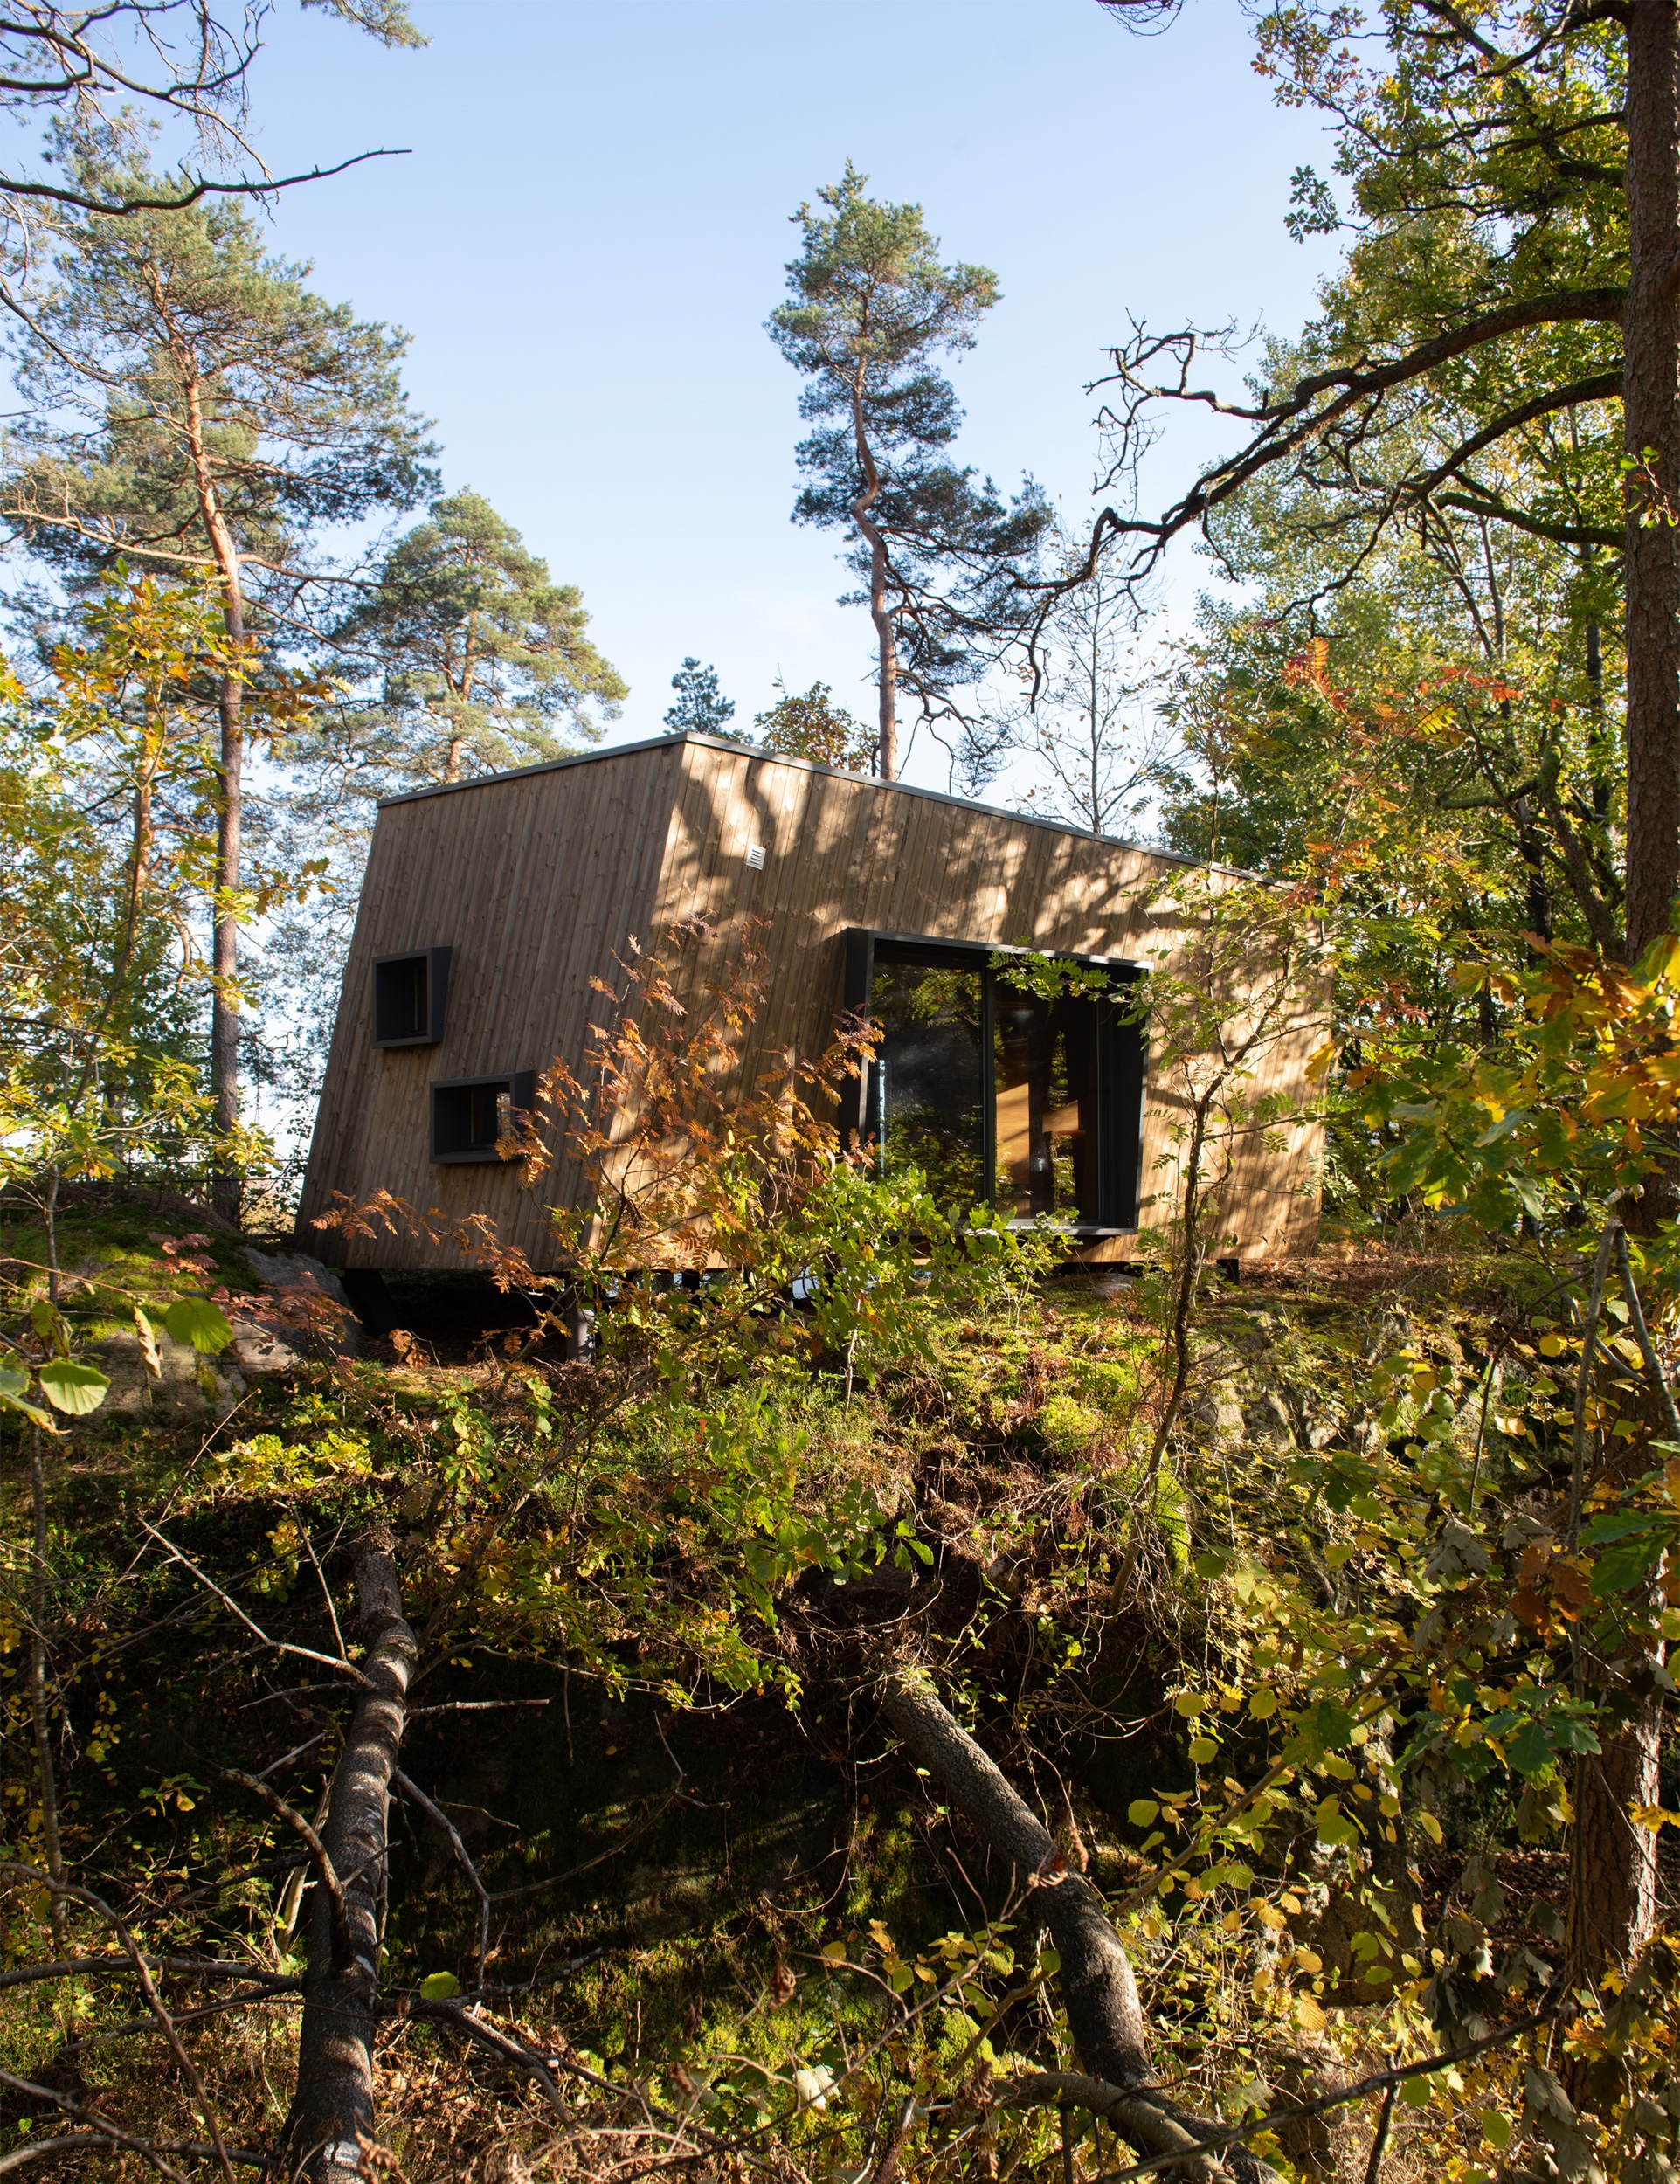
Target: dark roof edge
806 765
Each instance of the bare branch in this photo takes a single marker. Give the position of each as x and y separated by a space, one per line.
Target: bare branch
343 1944
1346 395
278 1645
436 1814
119 208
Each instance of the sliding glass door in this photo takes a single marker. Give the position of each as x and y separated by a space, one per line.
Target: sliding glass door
1001 1097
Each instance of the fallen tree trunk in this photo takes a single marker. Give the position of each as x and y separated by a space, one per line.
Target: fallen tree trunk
1099 1989
332 2114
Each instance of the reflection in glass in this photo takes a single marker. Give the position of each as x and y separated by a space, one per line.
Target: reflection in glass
928 1090
1044 1079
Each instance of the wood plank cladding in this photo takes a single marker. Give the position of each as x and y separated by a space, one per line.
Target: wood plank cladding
537 880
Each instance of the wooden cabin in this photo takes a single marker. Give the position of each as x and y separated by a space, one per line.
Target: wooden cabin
489 905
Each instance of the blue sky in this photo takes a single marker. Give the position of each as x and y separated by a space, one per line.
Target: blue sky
591 227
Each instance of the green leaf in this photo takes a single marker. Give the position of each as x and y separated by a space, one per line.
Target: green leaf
1142 1811
1618 1527
196 1320
1325 1727
14 1387
70 1387
440 1987
1530 1748
1620 1568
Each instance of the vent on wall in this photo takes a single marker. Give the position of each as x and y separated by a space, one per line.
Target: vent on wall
472 1115
410 994
755 856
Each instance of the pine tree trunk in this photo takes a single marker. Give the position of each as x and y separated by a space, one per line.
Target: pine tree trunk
880 612
1651 409
224 958
225 926
886 643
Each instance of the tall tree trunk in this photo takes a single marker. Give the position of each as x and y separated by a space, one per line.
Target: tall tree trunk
224 928
1532 851
332 2114
1613 1860
887 650
1651 410
880 612
225 960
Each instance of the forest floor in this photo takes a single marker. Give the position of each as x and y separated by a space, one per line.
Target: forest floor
689 1884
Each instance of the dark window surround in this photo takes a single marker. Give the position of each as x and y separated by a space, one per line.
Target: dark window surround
454 1142
395 1021
1122 1052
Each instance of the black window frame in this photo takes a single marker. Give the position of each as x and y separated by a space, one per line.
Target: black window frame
1122 1064
520 1085
435 987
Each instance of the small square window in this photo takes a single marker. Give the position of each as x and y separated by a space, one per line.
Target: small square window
409 996
472 1115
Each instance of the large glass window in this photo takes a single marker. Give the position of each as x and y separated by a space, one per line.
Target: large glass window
929 1088
1046 1090
1001 1096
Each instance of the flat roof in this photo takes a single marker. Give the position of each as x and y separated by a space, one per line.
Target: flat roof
806 765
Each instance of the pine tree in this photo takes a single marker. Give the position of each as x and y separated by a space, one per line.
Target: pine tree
196 410
941 558
700 707
483 662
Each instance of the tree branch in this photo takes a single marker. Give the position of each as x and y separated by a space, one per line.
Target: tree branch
343 1944
120 208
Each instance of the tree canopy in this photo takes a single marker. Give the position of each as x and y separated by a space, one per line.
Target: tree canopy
482 661
701 706
196 410
871 309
